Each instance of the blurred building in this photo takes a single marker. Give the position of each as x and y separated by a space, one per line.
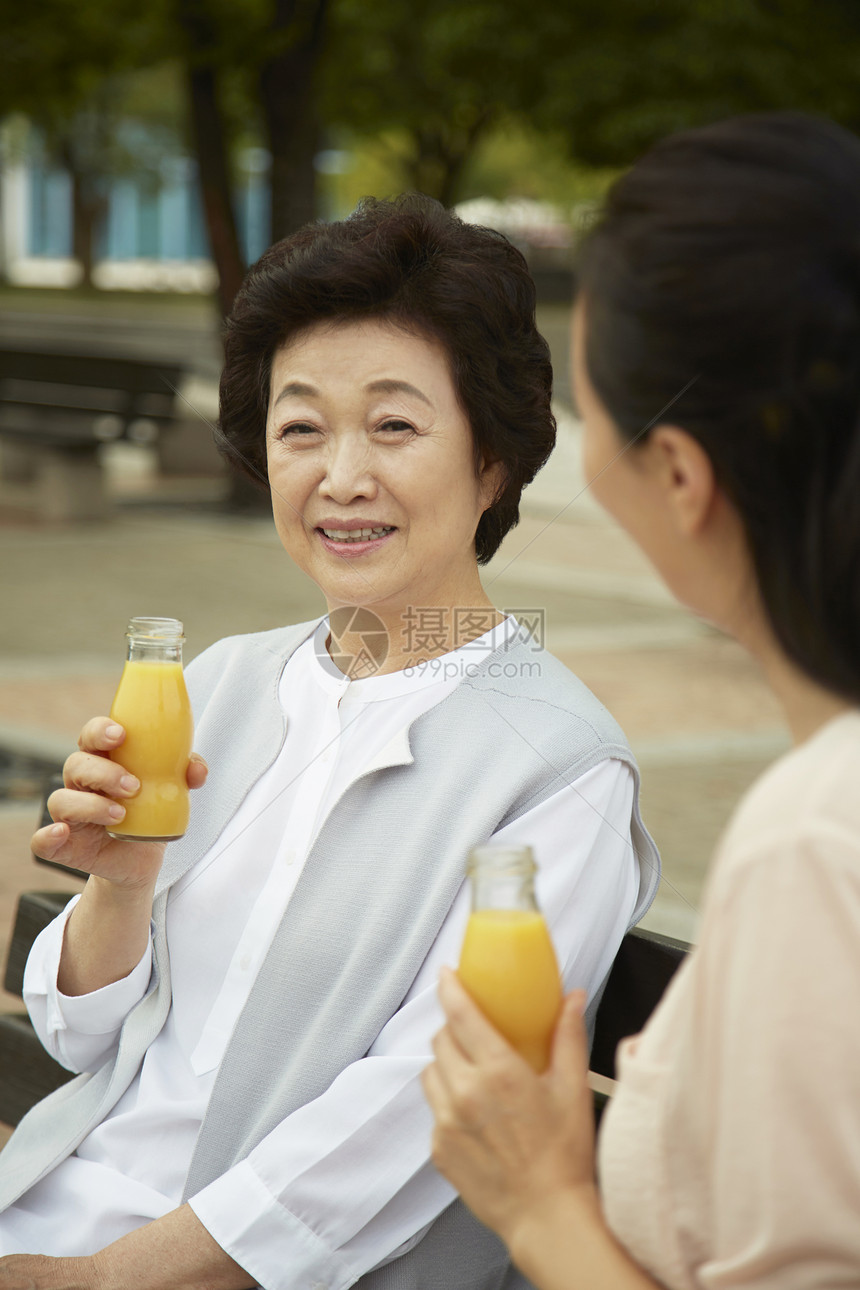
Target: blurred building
151 234
150 231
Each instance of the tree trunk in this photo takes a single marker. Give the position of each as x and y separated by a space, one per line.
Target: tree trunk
440 157
288 99
433 171
210 146
211 149
88 206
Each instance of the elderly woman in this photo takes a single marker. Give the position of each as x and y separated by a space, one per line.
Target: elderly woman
723 287
253 1007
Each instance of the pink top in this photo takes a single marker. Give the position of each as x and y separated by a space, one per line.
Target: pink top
730 1155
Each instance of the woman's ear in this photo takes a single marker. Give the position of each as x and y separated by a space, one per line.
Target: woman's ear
493 477
685 474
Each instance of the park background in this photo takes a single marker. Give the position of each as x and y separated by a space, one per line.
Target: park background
149 153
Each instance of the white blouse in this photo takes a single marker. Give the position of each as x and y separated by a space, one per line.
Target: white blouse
353 1164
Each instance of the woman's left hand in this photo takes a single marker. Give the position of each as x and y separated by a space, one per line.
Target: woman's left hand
508 1139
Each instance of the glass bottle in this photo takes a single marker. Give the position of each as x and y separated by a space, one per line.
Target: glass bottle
152 705
508 963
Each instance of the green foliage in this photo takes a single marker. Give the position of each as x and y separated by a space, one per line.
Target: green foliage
431 78
456 97
514 160
510 160
55 56
633 71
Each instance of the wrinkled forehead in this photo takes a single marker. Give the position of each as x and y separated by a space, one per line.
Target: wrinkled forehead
366 329
345 358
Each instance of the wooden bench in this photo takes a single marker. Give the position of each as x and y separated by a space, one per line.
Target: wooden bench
27 1072
643 967
58 406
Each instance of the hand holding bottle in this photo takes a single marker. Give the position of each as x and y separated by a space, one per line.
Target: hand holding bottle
513 1142
129 781
108 930
139 754
92 801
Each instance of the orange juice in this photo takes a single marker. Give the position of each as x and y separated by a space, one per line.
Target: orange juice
509 967
152 705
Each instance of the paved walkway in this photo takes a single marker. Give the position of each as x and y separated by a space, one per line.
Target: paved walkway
694 707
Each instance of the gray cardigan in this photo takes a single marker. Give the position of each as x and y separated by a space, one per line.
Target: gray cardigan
385 868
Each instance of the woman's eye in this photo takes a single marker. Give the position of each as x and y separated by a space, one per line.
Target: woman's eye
396 426
296 429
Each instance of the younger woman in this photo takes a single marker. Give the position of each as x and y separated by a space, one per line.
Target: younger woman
717 369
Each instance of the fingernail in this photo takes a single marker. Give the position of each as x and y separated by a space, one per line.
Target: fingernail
129 783
115 811
57 830
113 732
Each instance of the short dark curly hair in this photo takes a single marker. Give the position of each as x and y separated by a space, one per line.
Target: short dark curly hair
411 261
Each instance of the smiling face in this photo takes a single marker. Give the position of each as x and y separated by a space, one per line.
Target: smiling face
372 469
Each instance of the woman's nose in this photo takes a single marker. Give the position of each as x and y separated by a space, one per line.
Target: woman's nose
349 471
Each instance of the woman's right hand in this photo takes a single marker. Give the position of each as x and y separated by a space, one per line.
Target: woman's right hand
91 802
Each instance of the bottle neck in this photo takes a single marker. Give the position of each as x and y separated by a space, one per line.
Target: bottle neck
141 650
502 878
155 640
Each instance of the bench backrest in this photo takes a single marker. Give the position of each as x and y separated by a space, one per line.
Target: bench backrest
68 398
643 967
105 371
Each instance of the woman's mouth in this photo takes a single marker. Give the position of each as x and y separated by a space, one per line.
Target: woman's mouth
357 541
357 535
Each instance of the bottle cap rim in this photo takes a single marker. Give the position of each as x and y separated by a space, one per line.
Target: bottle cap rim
514 859
156 629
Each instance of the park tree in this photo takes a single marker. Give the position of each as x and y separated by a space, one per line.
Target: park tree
632 72
434 77
270 51
289 103
60 66
202 44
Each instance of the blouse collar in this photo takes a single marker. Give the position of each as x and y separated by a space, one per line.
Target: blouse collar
447 668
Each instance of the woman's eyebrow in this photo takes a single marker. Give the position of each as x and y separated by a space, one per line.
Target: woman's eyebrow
386 386
296 390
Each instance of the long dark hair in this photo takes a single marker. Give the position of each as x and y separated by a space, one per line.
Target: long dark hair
731 254
411 261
